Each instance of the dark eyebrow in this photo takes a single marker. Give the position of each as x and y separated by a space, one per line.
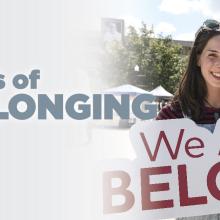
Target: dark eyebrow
215 51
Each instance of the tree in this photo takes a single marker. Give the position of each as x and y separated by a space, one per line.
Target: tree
119 59
160 60
167 64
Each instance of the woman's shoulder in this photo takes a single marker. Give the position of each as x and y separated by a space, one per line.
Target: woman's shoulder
170 111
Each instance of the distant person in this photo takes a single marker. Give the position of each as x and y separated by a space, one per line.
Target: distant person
162 104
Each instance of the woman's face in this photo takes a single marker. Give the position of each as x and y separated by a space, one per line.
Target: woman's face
209 61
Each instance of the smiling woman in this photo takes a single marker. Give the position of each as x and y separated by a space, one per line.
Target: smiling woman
209 62
198 96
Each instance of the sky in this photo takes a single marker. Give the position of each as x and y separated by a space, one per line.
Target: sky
179 18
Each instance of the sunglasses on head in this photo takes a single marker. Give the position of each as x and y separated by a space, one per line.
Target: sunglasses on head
208 25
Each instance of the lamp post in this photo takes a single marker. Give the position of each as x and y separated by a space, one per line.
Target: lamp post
136 68
140 78
133 75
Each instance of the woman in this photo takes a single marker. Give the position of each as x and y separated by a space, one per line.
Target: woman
198 96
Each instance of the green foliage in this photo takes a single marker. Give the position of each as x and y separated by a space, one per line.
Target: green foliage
160 60
167 64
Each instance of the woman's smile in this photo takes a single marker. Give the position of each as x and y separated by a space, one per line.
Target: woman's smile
216 75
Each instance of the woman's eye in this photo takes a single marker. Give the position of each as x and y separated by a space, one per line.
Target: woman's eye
212 55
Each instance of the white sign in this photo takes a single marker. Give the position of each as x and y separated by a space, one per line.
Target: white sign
175 174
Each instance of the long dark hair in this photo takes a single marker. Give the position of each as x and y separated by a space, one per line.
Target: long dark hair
192 89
